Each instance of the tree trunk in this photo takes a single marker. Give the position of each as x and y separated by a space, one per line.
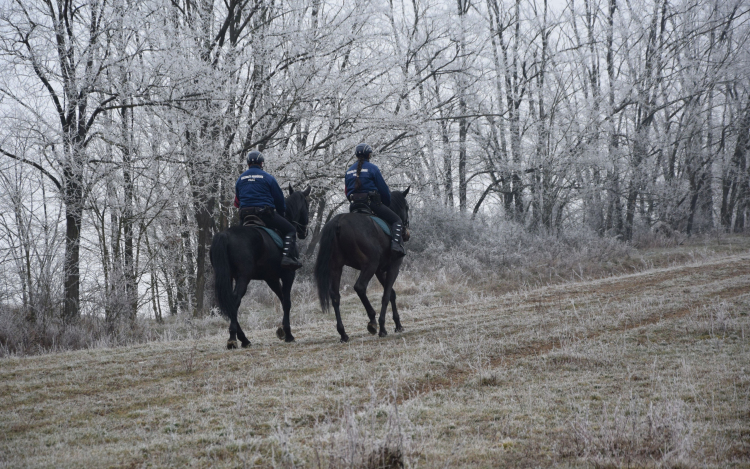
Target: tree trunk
71 264
204 220
318 224
734 183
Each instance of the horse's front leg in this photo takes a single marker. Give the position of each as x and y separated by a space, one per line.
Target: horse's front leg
390 279
287 280
283 289
360 286
396 318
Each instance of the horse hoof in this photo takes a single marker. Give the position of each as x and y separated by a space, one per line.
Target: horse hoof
383 333
399 329
246 344
231 344
372 328
280 333
289 339
344 339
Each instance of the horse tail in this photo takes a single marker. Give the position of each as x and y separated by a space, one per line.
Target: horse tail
225 296
323 264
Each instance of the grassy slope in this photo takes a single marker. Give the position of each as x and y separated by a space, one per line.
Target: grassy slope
642 369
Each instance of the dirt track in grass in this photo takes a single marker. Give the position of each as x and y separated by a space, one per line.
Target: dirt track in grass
648 369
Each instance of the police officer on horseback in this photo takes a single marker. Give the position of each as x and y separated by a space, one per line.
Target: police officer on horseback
258 194
365 185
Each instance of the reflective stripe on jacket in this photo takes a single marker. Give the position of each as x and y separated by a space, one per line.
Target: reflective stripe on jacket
257 188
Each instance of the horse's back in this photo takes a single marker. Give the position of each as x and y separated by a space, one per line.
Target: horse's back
360 239
251 251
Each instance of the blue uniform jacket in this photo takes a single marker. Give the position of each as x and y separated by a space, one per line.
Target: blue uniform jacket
257 188
371 179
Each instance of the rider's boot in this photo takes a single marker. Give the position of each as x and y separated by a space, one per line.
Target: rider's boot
289 254
397 244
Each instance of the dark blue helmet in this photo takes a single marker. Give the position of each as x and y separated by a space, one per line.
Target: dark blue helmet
255 157
363 150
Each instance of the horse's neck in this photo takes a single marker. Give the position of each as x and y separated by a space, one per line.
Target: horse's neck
292 211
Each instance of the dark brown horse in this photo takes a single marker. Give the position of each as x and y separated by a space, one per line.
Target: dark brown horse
244 253
355 240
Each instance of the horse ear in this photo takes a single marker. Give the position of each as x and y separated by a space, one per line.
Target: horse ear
406 192
307 191
291 190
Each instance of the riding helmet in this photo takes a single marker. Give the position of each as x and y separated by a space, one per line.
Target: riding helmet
363 150
255 157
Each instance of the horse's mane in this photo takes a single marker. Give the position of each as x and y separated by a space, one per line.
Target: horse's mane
295 202
398 201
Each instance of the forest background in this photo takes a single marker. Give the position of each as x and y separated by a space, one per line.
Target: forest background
123 125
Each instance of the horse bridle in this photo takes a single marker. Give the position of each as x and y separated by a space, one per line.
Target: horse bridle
300 225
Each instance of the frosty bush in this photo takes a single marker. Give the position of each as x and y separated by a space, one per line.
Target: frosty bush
20 336
375 436
491 250
636 433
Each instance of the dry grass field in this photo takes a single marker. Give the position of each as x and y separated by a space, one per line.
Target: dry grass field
649 369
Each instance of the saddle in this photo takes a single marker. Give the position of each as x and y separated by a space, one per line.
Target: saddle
252 217
253 220
360 203
358 207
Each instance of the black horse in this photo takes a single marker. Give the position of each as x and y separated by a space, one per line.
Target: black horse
244 253
354 239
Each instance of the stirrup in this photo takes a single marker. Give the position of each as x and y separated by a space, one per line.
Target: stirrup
290 263
397 249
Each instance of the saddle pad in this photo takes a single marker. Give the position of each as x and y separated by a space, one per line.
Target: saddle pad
382 224
274 236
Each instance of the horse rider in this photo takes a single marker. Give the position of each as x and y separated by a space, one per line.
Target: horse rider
365 184
257 193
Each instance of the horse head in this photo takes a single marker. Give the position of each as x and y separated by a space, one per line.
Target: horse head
298 210
400 207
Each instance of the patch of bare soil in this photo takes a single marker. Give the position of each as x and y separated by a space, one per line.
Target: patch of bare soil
644 370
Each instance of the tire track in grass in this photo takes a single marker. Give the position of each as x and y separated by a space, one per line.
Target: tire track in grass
721 271
438 317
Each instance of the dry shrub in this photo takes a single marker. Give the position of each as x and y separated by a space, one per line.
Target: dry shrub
497 252
721 319
20 337
352 441
374 437
636 434
660 236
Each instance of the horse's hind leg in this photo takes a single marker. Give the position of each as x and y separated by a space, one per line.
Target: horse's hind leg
360 286
396 318
283 290
241 335
232 341
240 288
336 300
